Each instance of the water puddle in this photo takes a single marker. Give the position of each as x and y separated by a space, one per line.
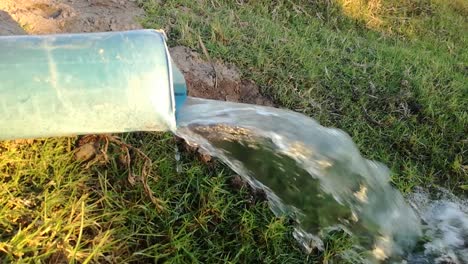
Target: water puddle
317 176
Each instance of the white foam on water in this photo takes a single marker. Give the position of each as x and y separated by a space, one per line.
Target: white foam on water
445 225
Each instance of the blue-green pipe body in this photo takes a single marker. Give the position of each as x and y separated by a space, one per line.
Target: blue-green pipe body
60 85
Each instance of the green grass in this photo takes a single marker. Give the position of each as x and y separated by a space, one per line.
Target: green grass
393 74
52 208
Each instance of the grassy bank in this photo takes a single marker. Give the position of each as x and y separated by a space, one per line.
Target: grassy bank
392 74
53 209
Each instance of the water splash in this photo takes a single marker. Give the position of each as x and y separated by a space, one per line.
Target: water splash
317 176
177 159
313 173
310 171
445 226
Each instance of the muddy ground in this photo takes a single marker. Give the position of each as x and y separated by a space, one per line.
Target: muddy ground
212 80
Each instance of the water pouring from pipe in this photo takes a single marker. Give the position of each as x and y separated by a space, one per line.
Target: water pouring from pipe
309 171
60 85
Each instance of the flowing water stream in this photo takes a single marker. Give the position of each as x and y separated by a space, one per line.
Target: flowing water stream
317 176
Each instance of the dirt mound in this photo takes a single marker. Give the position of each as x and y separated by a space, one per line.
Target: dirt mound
215 80
67 16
